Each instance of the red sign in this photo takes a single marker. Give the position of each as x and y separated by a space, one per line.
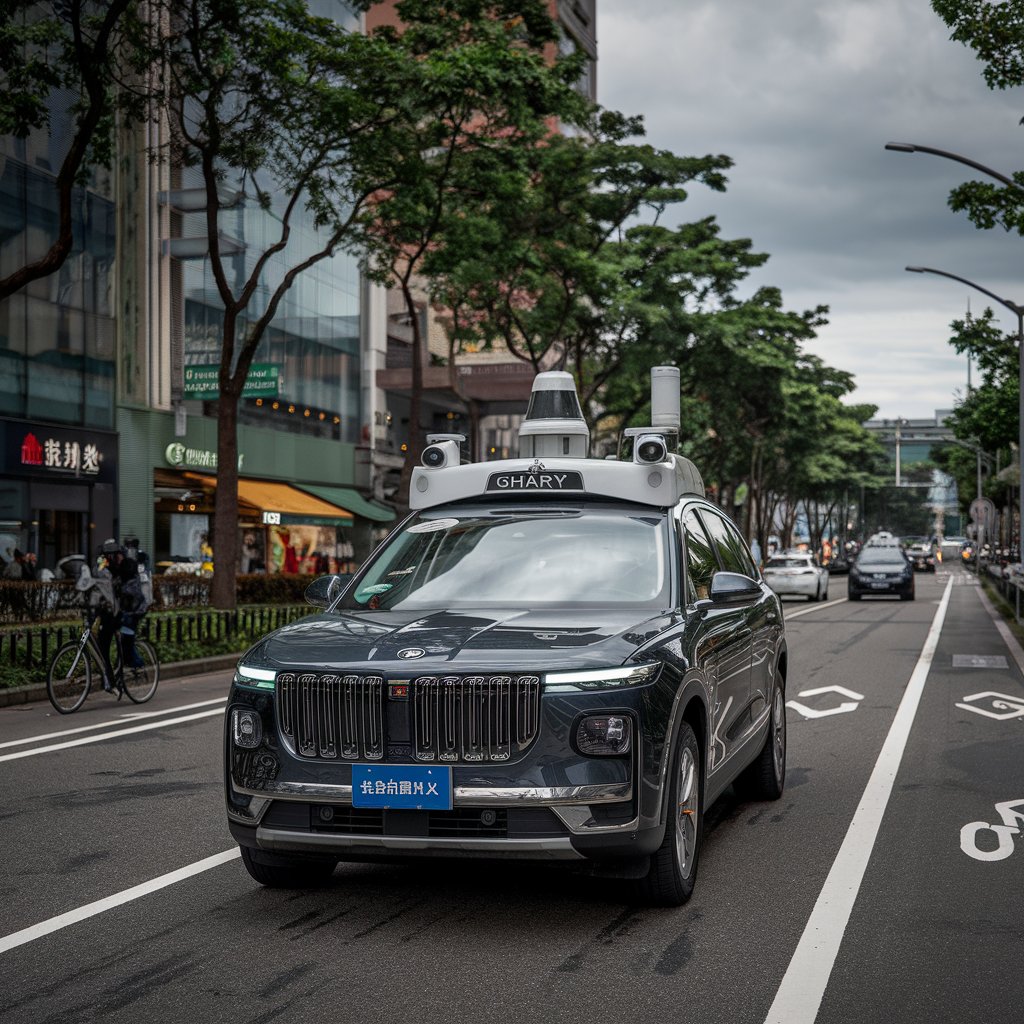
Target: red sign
31 451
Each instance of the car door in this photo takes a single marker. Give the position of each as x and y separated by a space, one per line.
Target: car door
763 617
722 649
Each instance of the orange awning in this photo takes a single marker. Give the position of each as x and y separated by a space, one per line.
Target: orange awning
273 499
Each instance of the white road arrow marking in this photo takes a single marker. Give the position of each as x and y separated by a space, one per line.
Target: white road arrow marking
842 709
1012 820
1013 707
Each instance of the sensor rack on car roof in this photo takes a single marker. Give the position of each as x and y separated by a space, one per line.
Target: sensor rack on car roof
553 441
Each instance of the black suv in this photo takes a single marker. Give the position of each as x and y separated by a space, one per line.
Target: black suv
557 658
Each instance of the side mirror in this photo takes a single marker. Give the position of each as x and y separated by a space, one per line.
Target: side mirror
323 591
732 586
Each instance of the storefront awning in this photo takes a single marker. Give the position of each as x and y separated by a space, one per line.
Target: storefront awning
347 498
284 505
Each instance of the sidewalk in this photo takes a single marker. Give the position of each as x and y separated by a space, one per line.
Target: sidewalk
174 670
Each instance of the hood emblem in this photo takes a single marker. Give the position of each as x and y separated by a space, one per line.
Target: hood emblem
407 653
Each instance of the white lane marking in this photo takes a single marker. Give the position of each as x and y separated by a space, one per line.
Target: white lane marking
851 705
109 735
814 608
803 985
37 931
127 716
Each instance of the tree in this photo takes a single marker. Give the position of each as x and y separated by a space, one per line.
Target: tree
77 52
478 99
280 111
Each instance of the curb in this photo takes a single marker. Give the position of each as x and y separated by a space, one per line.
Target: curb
174 670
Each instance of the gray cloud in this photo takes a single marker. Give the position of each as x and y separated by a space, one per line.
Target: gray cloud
804 97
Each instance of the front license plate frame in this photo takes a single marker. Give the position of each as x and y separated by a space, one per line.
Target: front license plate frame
408 786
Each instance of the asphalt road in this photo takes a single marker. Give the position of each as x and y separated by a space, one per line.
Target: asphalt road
874 890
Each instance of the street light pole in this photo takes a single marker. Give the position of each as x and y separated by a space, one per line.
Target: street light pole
1018 310
911 147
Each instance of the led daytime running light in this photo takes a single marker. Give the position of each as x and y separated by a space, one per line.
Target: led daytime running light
602 678
265 675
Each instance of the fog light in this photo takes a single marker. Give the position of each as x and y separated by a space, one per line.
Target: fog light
604 735
246 729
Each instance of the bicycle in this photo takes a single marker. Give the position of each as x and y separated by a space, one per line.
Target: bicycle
70 676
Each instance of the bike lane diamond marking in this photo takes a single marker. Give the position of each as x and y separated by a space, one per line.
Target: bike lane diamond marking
851 705
1011 706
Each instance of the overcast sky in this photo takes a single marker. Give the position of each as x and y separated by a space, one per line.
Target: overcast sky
803 96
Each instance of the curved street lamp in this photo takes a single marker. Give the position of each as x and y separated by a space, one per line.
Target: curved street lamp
1018 310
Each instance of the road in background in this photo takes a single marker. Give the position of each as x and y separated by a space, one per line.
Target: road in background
934 934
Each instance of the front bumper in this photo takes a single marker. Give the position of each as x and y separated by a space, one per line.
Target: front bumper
867 587
550 803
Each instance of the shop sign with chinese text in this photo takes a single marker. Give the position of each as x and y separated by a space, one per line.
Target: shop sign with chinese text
43 450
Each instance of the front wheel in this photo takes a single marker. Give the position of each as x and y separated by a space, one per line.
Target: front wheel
278 871
69 678
673 871
140 682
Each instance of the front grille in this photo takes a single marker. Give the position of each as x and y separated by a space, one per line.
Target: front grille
332 716
452 718
474 718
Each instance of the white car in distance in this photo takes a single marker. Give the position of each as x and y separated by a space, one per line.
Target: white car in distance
796 573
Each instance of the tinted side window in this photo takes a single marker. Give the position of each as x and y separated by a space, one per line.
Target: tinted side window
700 556
733 552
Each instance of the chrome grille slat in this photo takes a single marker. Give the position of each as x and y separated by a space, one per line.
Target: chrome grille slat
332 717
474 718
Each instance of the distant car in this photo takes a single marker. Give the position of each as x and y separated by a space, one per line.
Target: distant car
796 573
921 557
881 570
838 565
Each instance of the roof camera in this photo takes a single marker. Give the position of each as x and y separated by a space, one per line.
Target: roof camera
441 454
651 448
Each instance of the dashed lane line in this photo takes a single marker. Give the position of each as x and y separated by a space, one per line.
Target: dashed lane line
109 725
37 931
803 985
82 740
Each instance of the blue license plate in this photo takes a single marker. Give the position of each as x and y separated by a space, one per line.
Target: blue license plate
416 787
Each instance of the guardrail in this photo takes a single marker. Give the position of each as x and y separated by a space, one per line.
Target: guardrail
1009 587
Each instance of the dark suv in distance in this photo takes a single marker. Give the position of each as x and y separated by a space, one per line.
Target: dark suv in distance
881 569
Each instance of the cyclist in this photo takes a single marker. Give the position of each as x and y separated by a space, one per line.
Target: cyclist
130 606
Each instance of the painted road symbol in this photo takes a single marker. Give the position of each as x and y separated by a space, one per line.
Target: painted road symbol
979 661
851 705
1012 814
1011 707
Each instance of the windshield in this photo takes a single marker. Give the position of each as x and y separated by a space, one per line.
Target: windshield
881 556
520 558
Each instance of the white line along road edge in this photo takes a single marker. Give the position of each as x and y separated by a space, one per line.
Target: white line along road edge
803 985
37 931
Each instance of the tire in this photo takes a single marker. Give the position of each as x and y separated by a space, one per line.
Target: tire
907 597
853 597
673 871
823 596
278 871
765 777
68 689
140 683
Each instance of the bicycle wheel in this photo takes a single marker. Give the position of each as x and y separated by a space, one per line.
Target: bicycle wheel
69 678
140 683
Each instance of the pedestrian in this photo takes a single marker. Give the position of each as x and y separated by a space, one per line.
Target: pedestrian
205 555
18 568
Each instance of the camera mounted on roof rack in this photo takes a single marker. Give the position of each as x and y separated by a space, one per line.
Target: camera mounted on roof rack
442 451
650 448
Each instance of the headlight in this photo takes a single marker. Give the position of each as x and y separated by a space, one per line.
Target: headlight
246 728
601 678
604 735
257 678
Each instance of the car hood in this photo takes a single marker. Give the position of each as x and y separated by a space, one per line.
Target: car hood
450 641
